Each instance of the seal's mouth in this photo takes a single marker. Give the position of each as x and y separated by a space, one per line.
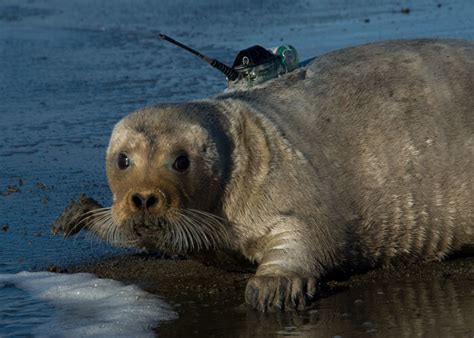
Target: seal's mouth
146 223
179 231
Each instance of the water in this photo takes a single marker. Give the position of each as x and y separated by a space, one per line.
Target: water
392 309
70 70
21 313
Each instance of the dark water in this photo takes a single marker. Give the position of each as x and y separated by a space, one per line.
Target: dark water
69 70
20 313
433 308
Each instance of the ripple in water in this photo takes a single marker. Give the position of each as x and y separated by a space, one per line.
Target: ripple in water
21 313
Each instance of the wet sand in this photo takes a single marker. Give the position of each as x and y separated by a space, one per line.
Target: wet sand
433 299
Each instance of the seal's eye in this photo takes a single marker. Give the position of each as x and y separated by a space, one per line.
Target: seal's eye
123 161
181 164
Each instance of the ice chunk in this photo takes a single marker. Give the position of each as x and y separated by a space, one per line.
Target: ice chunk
90 306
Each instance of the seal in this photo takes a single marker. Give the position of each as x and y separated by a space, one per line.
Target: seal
363 158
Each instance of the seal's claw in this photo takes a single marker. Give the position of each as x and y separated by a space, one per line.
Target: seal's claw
280 293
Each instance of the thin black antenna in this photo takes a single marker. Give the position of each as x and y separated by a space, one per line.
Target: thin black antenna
231 73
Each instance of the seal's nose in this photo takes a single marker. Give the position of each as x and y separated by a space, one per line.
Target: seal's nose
144 202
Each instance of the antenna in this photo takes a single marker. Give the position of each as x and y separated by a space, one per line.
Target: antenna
231 73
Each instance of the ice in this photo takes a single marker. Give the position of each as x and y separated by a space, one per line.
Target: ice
92 307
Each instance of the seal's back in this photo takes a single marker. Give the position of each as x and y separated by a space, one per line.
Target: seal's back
389 127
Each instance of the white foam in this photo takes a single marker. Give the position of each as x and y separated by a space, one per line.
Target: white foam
92 307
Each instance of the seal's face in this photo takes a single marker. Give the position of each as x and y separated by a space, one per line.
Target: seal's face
166 176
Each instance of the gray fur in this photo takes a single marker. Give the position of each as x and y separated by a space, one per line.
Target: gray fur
387 131
364 157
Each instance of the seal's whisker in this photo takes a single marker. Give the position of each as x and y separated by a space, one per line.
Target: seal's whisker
191 234
177 237
91 226
207 214
109 230
173 232
195 231
203 229
88 218
96 229
84 218
213 226
98 210
187 238
199 230
172 235
88 214
70 228
92 239
116 234
104 227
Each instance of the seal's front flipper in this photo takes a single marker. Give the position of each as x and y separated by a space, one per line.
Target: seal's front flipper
280 292
77 216
287 275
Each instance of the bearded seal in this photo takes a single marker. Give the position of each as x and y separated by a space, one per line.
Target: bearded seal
363 158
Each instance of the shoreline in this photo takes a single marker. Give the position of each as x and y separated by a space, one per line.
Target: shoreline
210 300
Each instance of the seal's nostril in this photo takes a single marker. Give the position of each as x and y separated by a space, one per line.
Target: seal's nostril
151 200
141 202
138 201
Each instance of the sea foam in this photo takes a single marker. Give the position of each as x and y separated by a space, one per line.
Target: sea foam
90 306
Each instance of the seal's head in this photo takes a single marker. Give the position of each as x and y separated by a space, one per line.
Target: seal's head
167 167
